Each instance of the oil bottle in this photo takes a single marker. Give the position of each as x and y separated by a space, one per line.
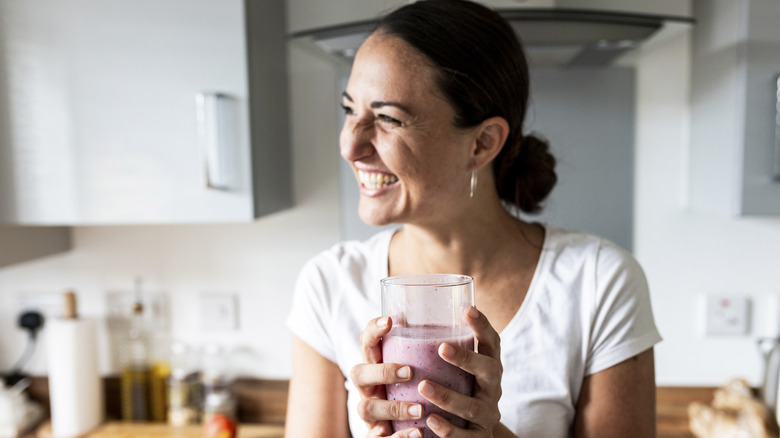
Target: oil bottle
136 370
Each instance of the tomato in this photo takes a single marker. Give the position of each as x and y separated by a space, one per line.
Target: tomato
219 426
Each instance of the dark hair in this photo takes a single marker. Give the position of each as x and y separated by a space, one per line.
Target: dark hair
483 73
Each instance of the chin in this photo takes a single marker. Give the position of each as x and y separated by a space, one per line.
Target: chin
373 221
375 218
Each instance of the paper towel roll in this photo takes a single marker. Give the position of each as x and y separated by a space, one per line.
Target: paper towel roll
75 386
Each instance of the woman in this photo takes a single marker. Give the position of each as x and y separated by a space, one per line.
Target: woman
434 108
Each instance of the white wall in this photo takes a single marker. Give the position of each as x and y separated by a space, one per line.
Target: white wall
257 261
684 255
687 255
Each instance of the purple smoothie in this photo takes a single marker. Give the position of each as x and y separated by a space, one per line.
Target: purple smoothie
418 347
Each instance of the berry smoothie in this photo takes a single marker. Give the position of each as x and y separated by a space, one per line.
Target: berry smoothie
418 347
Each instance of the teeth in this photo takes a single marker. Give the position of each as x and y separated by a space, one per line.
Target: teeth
375 180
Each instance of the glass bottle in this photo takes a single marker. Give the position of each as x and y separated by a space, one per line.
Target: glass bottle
159 371
218 396
136 372
184 389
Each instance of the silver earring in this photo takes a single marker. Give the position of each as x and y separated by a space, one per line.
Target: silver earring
473 183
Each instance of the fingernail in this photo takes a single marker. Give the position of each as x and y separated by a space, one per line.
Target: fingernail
447 350
382 322
473 312
404 372
416 434
433 422
425 388
415 411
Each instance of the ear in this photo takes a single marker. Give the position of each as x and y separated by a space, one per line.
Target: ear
490 137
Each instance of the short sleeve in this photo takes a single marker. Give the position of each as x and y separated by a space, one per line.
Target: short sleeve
622 322
311 310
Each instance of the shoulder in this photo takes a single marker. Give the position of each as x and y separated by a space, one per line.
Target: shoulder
591 259
587 248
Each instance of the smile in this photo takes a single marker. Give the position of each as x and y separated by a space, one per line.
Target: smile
375 180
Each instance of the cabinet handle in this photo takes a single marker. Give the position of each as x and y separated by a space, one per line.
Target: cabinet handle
777 129
215 138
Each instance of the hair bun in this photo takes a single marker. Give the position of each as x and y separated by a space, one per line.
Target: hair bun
525 173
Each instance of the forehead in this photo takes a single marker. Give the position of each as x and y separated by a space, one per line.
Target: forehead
389 65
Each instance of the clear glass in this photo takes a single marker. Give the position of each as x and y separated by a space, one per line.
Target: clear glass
185 391
426 310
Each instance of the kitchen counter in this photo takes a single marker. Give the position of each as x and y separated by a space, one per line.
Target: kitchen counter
262 407
672 408
149 430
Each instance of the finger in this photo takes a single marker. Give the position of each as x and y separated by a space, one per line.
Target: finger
441 427
380 374
486 370
379 429
488 340
472 409
373 409
384 428
408 433
371 338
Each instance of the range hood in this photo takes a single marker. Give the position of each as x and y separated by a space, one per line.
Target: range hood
551 37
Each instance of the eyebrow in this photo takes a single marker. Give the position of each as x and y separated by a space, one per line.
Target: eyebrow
379 104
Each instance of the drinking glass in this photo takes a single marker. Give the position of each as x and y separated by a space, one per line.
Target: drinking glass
426 310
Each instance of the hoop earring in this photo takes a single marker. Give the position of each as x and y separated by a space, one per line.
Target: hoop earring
473 183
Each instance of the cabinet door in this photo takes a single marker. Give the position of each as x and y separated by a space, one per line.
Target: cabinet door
734 93
760 186
101 121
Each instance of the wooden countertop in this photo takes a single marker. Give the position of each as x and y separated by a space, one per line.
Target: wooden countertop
151 430
262 407
672 409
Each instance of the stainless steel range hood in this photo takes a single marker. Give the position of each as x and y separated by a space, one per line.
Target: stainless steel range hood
551 37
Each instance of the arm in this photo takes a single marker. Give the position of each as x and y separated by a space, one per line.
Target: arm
619 401
317 404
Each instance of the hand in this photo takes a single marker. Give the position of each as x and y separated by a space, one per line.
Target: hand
481 409
370 379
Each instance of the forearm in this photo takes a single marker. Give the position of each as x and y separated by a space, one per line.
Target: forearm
317 402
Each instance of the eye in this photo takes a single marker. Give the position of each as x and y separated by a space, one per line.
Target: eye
347 109
389 120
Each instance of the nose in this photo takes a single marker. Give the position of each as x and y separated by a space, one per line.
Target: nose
356 140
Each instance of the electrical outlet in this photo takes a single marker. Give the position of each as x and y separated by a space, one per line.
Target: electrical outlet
49 304
218 312
727 315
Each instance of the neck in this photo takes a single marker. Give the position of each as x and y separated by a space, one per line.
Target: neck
471 244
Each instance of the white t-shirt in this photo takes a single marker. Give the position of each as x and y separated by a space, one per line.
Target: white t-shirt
587 309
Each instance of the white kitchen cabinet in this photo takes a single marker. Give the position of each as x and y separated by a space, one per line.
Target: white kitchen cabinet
99 121
734 101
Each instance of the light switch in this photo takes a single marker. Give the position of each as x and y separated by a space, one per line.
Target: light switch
727 315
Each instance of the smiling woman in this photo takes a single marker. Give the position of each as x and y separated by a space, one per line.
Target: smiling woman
434 114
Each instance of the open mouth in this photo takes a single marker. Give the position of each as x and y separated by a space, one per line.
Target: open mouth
376 180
